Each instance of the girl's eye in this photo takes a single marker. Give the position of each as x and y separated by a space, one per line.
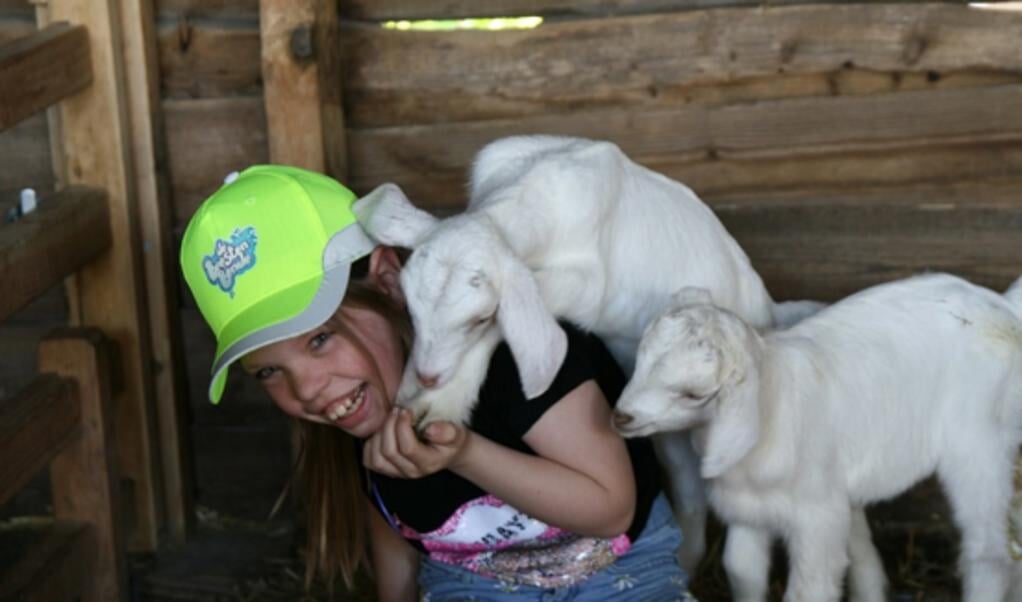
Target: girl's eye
264 373
319 339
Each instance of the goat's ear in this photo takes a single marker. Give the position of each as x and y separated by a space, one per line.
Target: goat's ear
734 430
690 295
390 218
537 342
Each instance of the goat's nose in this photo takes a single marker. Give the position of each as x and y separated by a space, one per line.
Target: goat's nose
426 380
621 419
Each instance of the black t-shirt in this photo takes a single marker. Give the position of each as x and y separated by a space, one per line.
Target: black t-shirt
504 416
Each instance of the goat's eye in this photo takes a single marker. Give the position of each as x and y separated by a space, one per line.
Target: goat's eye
697 398
481 321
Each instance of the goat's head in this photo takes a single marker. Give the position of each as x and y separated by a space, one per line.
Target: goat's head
697 365
465 289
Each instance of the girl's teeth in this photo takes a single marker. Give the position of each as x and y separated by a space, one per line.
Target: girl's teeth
347 406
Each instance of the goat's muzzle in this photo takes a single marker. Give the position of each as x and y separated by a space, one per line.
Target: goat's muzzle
428 381
621 419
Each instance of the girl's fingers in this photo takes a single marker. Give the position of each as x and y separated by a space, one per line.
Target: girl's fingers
373 458
407 441
390 448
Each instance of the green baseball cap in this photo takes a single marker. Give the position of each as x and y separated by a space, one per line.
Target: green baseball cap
268 257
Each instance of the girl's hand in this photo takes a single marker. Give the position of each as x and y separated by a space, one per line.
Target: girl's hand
396 451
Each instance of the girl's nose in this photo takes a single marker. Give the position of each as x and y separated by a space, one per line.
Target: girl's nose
307 385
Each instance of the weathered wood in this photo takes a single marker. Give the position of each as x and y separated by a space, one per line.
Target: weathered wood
34 426
161 267
232 9
206 140
428 159
84 476
42 69
26 158
96 128
65 233
453 9
835 246
57 566
302 84
202 60
650 61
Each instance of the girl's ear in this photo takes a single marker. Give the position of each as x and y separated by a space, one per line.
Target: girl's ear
389 218
385 273
537 341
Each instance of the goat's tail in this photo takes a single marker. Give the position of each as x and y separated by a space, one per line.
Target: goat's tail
1014 295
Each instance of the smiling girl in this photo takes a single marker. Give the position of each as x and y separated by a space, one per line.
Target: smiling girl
531 499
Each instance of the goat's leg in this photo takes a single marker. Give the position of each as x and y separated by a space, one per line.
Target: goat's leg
818 553
978 482
866 572
747 562
688 494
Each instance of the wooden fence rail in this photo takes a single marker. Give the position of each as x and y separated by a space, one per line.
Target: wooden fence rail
41 69
66 232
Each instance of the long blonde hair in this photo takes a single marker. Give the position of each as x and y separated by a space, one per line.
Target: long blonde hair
327 466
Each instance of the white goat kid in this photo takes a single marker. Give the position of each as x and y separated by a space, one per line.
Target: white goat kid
799 429
607 242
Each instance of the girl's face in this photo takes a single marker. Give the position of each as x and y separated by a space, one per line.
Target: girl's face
330 378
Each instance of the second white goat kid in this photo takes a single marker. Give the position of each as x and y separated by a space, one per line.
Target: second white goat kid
799 429
563 227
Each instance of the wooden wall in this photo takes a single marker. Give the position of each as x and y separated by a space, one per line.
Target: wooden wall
842 143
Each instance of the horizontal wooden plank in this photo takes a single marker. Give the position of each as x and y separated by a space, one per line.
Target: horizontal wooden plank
649 61
54 566
385 10
209 59
206 140
34 426
428 159
833 247
68 230
41 69
231 9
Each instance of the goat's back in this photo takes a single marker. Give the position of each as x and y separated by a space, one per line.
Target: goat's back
884 382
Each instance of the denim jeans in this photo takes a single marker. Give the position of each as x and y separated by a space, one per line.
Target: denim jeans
648 572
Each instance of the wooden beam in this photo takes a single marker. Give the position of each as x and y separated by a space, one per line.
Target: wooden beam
34 427
97 142
302 81
206 140
209 59
42 69
649 62
457 9
56 566
160 263
428 159
66 232
833 244
85 477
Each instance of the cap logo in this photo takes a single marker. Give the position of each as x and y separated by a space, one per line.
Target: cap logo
231 258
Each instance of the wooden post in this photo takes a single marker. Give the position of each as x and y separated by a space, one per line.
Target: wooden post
97 143
142 75
302 82
84 475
